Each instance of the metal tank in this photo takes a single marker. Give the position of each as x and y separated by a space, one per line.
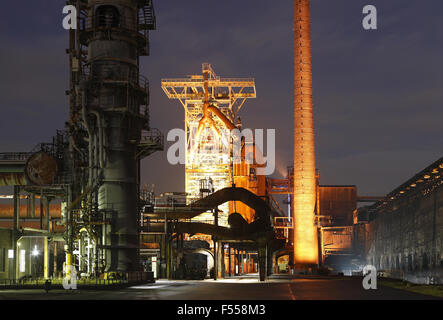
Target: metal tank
109 111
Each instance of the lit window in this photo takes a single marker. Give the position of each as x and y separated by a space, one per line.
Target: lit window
22 260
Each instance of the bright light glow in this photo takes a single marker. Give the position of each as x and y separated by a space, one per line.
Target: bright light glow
35 251
205 128
148 287
11 254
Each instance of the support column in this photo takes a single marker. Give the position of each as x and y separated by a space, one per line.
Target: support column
230 262
221 259
33 206
163 259
54 273
46 258
41 211
269 261
262 251
15 231
241 262
237 262
168 259
47 214
215 258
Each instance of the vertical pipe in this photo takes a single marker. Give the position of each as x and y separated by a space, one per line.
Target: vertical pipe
33 205
47 214
221 255
305 232
16 225
46 258
241 262
237 262
215 258
230 262
28 206
55 260
41 211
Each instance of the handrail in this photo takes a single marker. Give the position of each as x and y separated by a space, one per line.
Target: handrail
14 156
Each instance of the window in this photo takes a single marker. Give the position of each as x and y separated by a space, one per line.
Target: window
107 16
22 260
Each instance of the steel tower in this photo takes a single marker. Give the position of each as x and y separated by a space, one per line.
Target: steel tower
211 107
109 132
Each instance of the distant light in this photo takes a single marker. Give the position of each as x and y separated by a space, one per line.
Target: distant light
427 176
413 185
35 251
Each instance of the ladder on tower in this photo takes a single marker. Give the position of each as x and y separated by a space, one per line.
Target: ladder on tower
147 20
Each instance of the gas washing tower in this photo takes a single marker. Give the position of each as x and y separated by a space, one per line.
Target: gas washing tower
108 132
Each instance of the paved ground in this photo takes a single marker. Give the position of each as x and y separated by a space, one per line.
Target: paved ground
245 288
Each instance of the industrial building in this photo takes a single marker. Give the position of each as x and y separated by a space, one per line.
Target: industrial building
79 203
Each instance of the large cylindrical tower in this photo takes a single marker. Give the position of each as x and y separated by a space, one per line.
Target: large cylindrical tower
116 95
109 110
304 197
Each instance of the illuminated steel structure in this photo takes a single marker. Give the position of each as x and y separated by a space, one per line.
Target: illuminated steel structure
304 196
211 107
109 133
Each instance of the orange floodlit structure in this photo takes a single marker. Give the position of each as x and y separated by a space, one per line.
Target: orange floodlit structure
304 196
211 106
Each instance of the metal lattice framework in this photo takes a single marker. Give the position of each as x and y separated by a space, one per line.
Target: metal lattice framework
203 96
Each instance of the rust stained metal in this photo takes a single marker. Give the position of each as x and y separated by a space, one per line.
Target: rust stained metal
41 169
13 179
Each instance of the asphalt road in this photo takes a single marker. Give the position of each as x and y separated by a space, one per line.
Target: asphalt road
245 288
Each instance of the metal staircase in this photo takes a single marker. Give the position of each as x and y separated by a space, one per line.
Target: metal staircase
150 142
147 19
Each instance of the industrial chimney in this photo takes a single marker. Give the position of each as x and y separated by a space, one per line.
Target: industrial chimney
304 196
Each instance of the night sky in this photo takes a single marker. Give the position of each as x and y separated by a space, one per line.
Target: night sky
378 95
